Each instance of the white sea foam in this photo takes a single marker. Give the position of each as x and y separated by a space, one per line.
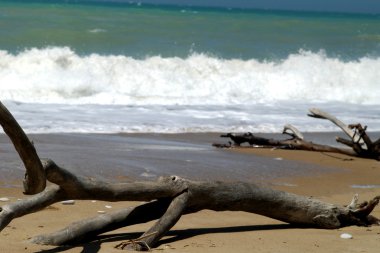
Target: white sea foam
57 90
59 75
97 30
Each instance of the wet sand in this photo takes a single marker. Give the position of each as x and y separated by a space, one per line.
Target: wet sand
148 156
331 177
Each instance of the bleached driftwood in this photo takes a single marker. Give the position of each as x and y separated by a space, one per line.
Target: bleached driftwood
170 198
293 132
359 141
317 113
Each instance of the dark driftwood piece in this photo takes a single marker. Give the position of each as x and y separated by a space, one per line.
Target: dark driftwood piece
171 197
293 143
360 143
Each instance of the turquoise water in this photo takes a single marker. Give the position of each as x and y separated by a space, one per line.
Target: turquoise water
72 66
146 30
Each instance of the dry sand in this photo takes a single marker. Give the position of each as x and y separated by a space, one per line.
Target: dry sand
209 231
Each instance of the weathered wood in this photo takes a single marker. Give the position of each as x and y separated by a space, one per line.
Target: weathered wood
35 203
317 113
34 181
372 149
294 143
77 187
161 227
218 196
87 229
171 197
237 139
222 196
293 132
360 143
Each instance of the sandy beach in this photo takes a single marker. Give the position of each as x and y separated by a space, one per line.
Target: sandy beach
209 231
125 91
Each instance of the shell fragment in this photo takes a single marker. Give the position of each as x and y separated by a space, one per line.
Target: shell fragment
346 236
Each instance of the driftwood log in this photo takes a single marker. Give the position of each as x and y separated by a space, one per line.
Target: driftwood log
166 200
360 143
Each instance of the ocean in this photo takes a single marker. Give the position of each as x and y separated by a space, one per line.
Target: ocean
91 67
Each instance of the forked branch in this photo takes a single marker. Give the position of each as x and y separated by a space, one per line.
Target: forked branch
170 197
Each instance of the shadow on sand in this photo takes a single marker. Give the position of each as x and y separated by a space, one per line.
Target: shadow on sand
172 236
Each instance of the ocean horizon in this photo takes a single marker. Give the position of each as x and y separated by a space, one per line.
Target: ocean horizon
136 68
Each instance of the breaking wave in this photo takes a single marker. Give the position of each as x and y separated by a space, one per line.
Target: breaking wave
60 75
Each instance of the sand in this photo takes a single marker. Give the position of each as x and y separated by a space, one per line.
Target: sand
209 231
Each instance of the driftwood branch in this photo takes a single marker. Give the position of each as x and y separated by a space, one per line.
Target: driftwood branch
218 196
360 143
170 198
35 203
316 113
161 227
87 229
34 181
293 132
294 143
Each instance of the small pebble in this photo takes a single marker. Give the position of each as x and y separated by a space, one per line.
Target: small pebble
93 201
346 236
68 202
109 207
278 158
101 211
4 199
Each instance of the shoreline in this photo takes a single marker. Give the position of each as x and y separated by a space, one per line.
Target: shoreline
330 179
